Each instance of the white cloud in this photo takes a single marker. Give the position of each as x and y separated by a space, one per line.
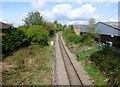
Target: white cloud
39 4
62 11
113 20
109 20
47 15
83 13
77 22
79 1
16 20
67 12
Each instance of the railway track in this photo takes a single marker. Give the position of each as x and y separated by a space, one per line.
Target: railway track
72 74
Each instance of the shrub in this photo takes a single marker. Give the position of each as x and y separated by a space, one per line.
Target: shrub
70 35
38 34
23 28
50 27
12 40
108 61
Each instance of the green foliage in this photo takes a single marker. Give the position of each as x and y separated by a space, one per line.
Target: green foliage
33 18
38 34
58 26
23 28
109 63
30 65
90 67
95 73
35 30
91 26
50 27
12 40
83 55
24 36
92 32
70 36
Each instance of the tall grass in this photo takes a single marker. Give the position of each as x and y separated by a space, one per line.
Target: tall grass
29 66
90 67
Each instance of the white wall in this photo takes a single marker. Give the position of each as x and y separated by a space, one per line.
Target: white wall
104 29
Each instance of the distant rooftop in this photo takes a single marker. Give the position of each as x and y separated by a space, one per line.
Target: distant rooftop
79 26
5 25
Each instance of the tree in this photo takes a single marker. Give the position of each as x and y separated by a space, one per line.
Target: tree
33 18
38 34
58 26
91 26
55 22
50 27
91 29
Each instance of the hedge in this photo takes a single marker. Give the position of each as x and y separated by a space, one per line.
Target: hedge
12 40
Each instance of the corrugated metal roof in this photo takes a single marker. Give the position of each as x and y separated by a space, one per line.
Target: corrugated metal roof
115 25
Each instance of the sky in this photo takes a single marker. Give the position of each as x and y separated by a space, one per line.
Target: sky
63 11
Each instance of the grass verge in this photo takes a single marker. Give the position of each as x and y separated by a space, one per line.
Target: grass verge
28 66
90 67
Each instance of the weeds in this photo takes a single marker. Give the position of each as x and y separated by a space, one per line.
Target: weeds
90 67
30 66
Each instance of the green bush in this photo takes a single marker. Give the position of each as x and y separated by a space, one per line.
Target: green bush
24 36
109 63
38 34
70 35
12 40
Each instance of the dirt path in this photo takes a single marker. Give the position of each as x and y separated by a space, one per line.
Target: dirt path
61 74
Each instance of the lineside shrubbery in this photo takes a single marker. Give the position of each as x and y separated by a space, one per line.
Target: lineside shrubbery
13 39
35 30
24 36
108 62
70 36
39 34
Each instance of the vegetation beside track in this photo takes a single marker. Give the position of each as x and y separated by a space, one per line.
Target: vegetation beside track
29 66
90 67
102 65
76 43
27 54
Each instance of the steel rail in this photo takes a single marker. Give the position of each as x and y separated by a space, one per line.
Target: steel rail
67 71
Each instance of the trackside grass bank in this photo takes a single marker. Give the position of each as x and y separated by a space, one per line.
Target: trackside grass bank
90 67
29 66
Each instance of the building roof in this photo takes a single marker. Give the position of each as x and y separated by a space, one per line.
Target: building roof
115 25
79 26
5 25
76 26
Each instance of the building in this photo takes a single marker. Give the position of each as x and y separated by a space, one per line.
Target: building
77 29
80 29
109 32
4 27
